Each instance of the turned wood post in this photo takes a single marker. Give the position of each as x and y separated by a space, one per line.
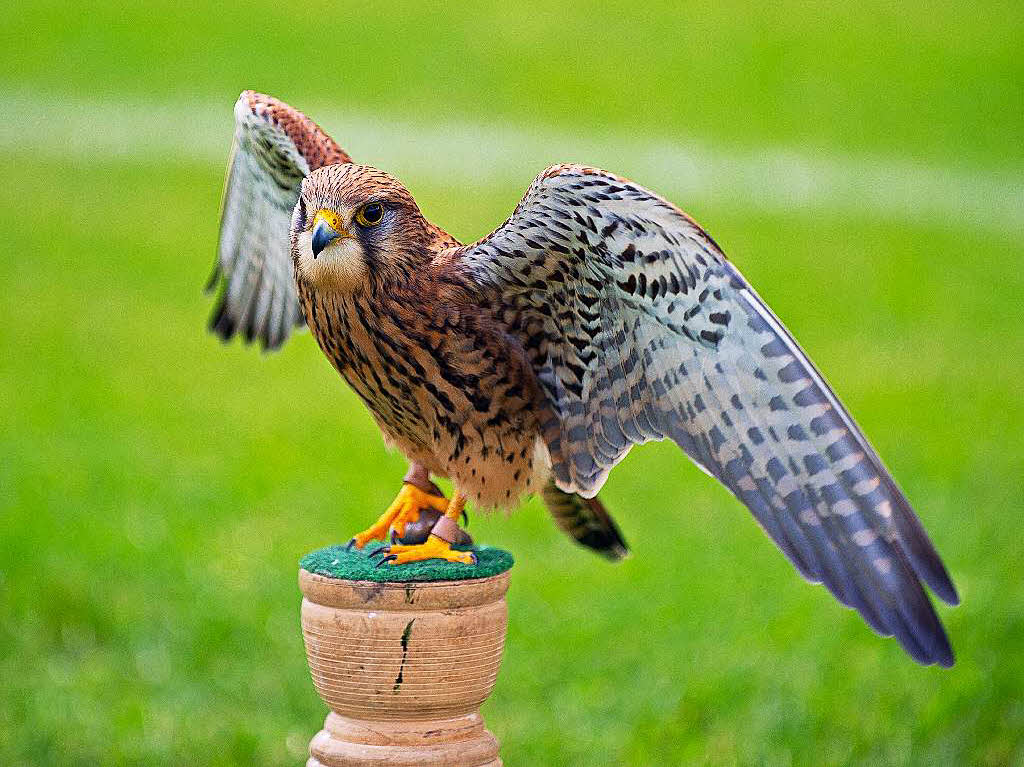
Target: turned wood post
404 667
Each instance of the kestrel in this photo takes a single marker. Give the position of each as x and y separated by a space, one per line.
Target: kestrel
597 317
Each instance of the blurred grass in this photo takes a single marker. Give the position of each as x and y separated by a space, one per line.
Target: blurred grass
923 79
157 489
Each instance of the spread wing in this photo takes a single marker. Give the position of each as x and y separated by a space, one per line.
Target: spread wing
639 328
275 147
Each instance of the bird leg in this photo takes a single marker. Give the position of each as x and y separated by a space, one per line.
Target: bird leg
417 493
438 544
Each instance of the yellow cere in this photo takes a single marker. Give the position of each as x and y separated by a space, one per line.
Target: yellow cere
332 219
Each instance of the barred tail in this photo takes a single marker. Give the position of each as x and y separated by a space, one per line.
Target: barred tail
586 520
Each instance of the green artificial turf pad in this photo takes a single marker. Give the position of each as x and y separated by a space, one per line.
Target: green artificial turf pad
356 565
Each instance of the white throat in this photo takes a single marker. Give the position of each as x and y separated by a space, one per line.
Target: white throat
339 266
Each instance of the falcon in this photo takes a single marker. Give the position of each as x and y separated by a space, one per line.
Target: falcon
597 317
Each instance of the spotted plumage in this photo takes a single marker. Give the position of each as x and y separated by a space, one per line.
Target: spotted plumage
597 317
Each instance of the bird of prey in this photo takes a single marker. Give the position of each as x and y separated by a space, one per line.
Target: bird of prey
597 317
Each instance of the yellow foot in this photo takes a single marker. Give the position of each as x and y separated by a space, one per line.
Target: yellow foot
433 548
404 510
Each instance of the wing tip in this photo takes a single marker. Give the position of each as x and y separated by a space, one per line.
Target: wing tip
214 278
914 621
221 323
921 552
946 591
226 327
947 659
937 650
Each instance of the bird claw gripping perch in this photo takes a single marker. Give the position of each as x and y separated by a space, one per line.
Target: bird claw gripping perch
405 510
418 530
437 546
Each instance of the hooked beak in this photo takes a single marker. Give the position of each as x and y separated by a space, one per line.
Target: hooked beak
327 228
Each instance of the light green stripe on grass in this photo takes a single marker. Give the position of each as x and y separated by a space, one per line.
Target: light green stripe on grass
480 156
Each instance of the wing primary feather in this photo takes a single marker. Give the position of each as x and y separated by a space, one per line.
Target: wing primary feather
920 551
821 563
213 279
915 543
275 146
800 507
904 609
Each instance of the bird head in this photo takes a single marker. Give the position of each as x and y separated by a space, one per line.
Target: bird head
354 225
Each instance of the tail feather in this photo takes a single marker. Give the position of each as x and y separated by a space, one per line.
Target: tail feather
586 520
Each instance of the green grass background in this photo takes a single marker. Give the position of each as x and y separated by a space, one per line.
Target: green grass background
157 489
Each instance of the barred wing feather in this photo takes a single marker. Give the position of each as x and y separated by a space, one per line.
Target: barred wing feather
639 328
275 147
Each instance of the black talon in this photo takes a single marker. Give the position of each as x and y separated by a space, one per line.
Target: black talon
351 543
465 518
472 554
378 551
387 559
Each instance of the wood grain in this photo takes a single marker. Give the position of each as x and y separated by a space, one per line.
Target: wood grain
404 668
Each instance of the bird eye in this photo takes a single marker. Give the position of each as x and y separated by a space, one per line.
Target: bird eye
370 214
